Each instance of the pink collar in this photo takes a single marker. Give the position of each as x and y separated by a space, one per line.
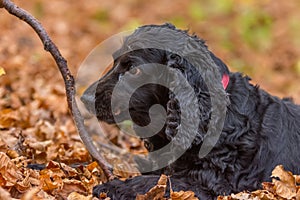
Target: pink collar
225 80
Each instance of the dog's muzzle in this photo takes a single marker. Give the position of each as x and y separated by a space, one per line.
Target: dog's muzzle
88 98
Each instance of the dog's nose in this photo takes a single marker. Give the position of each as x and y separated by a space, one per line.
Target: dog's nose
88 98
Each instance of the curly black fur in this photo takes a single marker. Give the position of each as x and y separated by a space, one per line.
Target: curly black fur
260 130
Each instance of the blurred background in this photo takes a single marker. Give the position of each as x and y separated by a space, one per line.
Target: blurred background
260 38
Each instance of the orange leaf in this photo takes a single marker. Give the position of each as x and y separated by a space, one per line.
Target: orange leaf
285 190
10 172
2 71
284 176
157 192
264 195
77 196
8 118
269 187
297 179
286 186
181 195
69 186
47 184
92 166
4 194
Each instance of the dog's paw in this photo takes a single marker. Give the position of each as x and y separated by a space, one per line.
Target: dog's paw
128 189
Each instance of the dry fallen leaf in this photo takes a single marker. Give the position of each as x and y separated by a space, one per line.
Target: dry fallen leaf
8 118
69 186
37 194
4 194
183 195
243 196
103 195
264 195
286 186
284 176
9 173
297 179
3 146
2 71
268 186
157 192
77 196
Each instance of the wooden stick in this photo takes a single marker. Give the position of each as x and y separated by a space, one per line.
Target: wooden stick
68 80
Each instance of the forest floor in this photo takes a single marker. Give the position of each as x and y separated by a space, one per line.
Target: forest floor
259 38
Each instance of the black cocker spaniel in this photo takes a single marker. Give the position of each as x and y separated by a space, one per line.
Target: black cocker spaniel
245 132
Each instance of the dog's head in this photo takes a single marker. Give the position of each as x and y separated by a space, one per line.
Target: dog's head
148 70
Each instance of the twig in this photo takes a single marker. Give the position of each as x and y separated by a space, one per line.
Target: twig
68 80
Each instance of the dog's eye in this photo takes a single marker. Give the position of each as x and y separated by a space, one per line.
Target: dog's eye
134 70
148 145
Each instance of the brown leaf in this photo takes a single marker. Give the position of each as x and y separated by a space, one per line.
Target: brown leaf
3 146
37 194
69 186
39 145
264 195
4 194
52 177
284 176
8 118
103 195
77 196
31 194
286 186
124 169
2 71
297 179
224 198
284 190
298 193
12 153
92 166
243 196
269 187
181 195
23 185
9 171
157 192
48 184
2 180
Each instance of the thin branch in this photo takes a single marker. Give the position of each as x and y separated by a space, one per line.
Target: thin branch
68 80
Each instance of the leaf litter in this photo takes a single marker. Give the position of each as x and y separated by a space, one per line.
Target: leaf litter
35 126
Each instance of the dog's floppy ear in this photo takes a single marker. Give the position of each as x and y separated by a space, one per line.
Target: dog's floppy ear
173 108
198 97
182 107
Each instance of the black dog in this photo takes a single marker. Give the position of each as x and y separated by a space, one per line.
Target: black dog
260 131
